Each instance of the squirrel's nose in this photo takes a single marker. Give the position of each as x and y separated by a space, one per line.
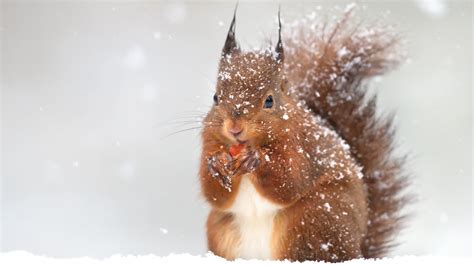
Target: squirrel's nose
235 131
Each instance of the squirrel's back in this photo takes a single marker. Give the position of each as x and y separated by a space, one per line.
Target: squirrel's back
325 67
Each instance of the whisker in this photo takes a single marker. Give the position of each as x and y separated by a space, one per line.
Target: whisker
181 131
182 122
195 112
188 119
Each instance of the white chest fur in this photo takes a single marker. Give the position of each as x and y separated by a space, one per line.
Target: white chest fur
254 217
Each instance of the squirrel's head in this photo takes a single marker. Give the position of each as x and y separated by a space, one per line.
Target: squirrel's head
250 100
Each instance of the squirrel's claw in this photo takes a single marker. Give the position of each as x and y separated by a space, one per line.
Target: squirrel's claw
222 167
251 161
217 166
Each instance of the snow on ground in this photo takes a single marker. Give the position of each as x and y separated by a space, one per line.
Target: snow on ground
24 258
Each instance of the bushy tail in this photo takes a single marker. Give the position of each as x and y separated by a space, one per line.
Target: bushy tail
326 66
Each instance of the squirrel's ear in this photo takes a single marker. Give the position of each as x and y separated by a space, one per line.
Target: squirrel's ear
284 85
279 46
230 42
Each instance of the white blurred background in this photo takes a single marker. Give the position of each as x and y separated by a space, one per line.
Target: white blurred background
91 90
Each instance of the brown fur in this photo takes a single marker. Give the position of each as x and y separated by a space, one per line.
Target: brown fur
222 234
316 163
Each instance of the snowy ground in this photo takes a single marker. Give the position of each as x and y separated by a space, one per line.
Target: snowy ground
25 258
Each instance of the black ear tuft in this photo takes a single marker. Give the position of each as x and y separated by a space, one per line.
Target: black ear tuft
230 42
279 46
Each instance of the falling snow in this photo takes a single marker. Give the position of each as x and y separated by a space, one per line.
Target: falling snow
325 246
267 158
327 206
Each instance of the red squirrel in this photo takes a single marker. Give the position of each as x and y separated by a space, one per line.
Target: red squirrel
295 162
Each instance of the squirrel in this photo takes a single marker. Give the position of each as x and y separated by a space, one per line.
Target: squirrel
295 162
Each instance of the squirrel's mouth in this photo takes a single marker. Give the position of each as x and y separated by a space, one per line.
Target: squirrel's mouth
237 140
241 141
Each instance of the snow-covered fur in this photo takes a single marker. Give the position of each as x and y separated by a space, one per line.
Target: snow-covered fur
295 163
326 67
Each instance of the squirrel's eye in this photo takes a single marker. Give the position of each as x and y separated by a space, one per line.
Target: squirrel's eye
216 100
268 102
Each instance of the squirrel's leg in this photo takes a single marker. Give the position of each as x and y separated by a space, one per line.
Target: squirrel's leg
328 225
222 234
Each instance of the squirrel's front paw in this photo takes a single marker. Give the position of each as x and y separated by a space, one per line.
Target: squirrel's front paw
251 161
219 170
